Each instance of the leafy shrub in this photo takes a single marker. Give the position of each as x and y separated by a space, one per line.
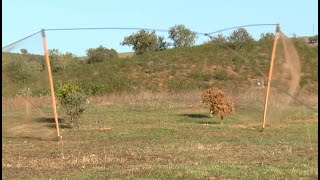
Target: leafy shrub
72 100
266 41
182 36
162 44
219 105
145 41
266 36
240 38
218 39
100 54
59 61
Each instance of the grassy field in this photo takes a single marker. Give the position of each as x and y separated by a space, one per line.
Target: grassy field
160 128
160 136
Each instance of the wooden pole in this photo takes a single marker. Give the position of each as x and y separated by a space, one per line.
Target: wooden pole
46 54
270 74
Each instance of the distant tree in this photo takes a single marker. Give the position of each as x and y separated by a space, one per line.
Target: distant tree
266 40
60 61
240 38
162 44
100 54
145 41
54 52
266 36
217 39
69 54
56 63
182 36
294 36
142 41
24 51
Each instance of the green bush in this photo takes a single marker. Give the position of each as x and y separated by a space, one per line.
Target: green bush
240 38
100 54
218 39
145 41
182 36
19 71
72 100
59 61
55 62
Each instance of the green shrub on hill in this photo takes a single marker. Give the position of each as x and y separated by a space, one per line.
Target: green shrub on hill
100 54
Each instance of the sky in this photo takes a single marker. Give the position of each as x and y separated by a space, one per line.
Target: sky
21 18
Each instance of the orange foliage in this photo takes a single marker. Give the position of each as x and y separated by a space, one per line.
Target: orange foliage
219 105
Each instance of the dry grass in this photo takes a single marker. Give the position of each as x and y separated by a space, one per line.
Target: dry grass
19 102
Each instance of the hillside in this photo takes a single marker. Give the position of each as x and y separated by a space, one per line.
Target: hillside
172 70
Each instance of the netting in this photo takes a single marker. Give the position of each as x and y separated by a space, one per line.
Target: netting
285 79
286 96
26 104
240 71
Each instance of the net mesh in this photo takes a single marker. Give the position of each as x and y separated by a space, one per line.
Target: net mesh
285 79
26 103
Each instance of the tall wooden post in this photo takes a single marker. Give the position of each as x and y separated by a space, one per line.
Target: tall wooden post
276 37
46 54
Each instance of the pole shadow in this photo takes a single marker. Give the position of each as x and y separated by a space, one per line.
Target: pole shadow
50 122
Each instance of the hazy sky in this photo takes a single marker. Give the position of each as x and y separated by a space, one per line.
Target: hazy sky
21 18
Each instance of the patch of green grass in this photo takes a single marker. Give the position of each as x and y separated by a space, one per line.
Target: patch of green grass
200 76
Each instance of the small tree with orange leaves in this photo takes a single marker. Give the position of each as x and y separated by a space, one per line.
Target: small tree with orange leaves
219 105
